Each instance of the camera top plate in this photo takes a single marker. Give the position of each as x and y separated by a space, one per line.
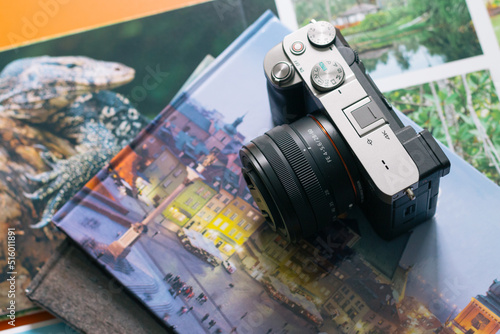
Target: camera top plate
355 113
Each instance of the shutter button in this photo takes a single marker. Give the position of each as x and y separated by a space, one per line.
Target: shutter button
282 72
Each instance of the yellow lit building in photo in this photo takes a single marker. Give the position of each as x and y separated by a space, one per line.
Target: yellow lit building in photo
189 202
233 225
210 210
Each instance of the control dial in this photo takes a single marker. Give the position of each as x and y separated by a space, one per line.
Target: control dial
282 72
321 34
327 75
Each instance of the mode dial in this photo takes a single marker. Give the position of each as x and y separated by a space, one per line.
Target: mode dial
327 75
321 34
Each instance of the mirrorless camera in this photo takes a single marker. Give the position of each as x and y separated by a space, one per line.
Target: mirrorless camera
337 143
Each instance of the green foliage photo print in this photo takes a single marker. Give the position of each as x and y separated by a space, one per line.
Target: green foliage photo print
462 112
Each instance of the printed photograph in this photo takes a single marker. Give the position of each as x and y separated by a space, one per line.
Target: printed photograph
46 126
462 112
396 36
493 7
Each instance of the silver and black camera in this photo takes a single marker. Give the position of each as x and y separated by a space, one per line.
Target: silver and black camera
338 143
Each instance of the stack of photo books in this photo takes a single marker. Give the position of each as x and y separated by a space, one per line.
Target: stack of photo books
171 219
141 44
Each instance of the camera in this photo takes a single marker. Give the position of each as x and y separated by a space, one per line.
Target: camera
338 143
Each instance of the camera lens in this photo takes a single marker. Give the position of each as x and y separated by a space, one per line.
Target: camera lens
301 176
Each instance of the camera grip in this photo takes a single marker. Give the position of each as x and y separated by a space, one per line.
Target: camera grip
287 103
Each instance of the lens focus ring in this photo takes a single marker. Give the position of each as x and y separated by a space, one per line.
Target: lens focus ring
303 171
287 181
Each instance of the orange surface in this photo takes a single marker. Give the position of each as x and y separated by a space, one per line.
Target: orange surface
27 319
28 21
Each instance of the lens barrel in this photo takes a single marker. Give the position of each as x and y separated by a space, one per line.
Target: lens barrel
301 176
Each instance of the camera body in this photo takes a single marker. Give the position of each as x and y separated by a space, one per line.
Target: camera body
393 171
